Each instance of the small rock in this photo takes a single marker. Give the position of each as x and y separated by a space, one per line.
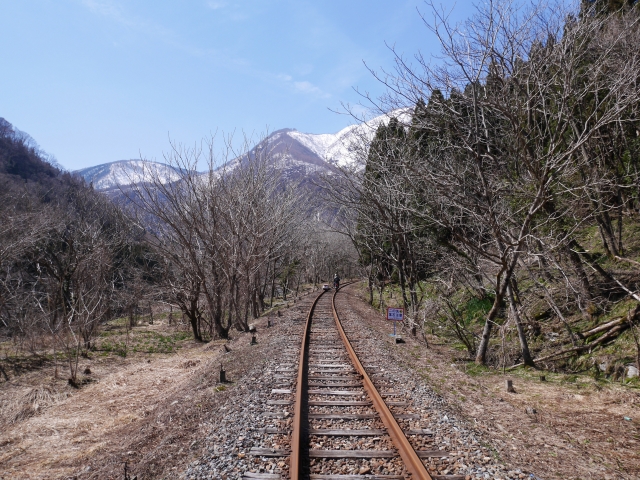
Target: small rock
364 470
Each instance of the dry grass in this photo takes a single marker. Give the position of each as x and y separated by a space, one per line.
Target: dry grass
154 414
151 410
50 430
29 404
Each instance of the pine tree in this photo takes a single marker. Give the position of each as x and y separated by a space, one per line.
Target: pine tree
606 7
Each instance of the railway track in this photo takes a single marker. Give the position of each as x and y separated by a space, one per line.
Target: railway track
343 427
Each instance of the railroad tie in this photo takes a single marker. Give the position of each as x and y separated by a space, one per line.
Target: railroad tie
329 369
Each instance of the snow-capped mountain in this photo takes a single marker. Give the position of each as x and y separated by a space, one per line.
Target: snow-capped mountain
292 157
126 172
348 147
300 156
310 152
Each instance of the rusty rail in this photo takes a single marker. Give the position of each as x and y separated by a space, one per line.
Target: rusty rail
411 460
295 463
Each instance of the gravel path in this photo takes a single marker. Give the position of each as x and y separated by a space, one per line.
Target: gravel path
242 422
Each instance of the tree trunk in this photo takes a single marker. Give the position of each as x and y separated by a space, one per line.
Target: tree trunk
402 278
221 330
193 320
607 235
481 355
273 286
586 305
526 354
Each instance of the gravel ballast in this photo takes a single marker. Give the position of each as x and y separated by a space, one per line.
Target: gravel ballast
257 412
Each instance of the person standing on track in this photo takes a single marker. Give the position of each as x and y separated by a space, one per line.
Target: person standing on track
336 281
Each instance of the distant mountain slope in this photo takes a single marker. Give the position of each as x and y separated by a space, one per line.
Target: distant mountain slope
343 148
126 172
300 156
308 152
287 153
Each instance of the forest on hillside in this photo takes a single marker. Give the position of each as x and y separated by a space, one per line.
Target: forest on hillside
501 207
217 249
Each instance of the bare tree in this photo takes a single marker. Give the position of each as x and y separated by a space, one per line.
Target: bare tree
495 167
222 232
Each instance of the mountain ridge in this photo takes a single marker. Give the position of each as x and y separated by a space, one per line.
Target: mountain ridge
296 153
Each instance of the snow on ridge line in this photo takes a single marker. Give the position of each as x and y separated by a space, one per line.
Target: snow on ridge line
346 148
127 172
317 143
341 148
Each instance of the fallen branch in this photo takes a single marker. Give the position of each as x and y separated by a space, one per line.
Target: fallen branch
628 260
614 332
603 327
575 246
597 268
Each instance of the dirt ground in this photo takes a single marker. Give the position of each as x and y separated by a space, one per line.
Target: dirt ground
566 427
151 411
148 411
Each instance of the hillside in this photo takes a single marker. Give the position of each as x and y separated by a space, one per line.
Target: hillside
21 160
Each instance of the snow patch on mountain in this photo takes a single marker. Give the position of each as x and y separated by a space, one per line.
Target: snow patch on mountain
127 172
348 147
318 144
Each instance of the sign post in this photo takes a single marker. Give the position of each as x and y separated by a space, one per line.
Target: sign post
395 315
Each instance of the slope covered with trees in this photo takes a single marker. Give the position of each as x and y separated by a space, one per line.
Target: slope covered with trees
66 253
218 246
506 212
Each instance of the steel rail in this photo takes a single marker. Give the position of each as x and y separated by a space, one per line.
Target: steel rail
411 460
295 459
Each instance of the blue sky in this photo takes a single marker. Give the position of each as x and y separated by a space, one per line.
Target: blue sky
93 81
